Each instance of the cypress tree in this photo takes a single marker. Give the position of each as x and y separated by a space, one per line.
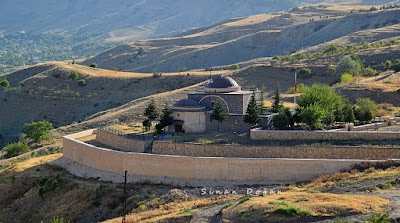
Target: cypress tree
277 105
219 113
166 117
151 110
253 111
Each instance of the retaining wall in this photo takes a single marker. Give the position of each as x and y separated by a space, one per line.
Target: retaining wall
198 171
121 143
322 135
296 152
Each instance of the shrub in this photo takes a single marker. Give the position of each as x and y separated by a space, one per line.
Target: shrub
291 210
47 185
4 83
73 75
351 65
305 72
366 109
235 66
82 82
379 218
281 121
56 219
243 199
330 68
38 131
140 51
157 74
369 72
15 149
388 65
346 78
93 65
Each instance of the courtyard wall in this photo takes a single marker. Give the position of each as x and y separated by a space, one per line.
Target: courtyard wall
295 152
120 142
258 134
197 171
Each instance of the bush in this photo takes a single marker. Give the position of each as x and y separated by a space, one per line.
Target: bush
379 218
157 74
4 83
330 69
351 65
38 131
235 66
369 72
73 75
93 65
346 78
366 109
82 82
15 149
291 210
388 65
305 72
281 121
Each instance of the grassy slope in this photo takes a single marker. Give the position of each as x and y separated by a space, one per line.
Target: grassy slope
88 200
47 93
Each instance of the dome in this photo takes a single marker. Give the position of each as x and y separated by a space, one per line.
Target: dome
222 84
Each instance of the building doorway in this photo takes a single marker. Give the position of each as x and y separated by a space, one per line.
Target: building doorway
178 128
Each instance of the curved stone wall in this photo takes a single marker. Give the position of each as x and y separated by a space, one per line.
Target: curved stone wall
198 171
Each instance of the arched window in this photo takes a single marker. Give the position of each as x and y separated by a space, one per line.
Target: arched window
212 104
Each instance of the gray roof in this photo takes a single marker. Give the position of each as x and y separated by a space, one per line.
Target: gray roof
186 103
221 82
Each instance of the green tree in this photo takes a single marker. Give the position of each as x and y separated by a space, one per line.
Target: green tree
166 116
93 65
284 119
277 105
235 66
332 49
313 116
369 72
351 65
388 65
73 75
349 114
4 83
346 78
219 113
330 68
15 149
305 72
325 100
38 131
151 110
146 124
365 109
253 111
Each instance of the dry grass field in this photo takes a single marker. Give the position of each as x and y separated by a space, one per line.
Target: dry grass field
57 193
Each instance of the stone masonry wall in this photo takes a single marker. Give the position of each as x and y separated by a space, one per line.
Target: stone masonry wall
121 143
323 135
196 171
296 152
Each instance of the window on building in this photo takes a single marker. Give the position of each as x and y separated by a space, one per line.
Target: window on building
212 104
177 114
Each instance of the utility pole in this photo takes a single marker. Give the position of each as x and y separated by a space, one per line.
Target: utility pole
124 205
295 87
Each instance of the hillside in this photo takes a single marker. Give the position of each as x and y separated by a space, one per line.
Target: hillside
49 92
55 193
251 37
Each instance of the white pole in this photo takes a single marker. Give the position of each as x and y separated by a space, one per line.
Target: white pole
295 87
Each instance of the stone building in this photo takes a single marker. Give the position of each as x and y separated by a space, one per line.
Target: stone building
193 115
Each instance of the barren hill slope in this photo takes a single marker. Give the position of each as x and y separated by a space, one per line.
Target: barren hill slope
49 92
248 38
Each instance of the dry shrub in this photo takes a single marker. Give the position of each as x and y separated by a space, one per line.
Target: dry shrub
330 178
385 106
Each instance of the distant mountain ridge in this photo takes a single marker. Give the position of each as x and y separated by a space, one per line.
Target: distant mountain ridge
248 38
134 19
